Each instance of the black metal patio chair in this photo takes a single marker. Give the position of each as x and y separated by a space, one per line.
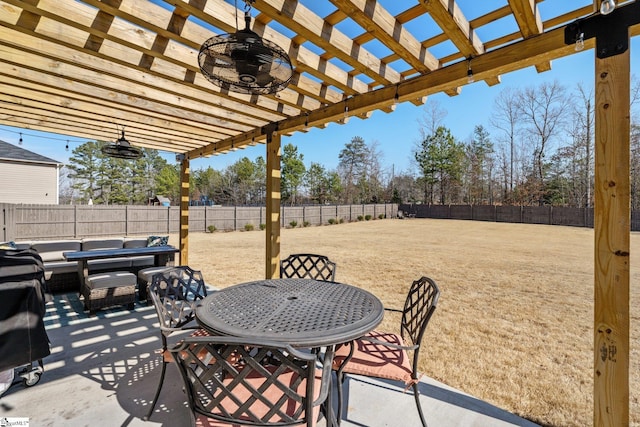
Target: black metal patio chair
309 266
235 381
386 355
174 292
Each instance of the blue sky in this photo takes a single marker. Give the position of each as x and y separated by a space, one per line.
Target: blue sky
395 134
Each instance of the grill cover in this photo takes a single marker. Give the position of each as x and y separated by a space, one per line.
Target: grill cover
23 338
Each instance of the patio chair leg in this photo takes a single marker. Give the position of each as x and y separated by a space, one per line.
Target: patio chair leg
416 395
340 379
155 398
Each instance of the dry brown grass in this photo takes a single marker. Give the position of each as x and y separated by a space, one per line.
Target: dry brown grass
515 319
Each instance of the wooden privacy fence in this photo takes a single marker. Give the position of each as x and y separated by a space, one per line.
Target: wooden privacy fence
34 222
551 215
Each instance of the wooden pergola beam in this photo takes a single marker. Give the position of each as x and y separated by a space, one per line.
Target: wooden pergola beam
527 16
526 53
272 258
337 44
455 25
612 218
386 28
184 210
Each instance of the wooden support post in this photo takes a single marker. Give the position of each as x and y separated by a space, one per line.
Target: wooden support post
184 211
273 206
612 230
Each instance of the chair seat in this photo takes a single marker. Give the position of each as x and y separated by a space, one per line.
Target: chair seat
166 354
376 360
272 393
146 274
111 280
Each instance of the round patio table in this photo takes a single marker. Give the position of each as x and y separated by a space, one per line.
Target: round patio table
299 312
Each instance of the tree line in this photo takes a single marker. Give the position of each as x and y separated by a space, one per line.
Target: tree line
537 149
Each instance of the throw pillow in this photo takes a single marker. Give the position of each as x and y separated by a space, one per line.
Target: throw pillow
157 241
8 245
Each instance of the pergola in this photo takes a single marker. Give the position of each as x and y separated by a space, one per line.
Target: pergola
83 67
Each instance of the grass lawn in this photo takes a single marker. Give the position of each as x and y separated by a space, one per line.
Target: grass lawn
514 325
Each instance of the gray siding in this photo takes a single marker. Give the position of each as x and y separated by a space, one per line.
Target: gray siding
28 183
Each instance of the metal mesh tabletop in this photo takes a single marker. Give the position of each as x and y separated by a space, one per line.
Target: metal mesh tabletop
300 312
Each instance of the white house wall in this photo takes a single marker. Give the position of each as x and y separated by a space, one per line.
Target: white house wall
28 183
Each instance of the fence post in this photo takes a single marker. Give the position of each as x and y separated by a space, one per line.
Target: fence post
168 219
75 221
126 220
235 218
521 214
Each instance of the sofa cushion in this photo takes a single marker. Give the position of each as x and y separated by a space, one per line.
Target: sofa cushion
52 250
143 261
22 245
60 267
132 242
110 243
123 263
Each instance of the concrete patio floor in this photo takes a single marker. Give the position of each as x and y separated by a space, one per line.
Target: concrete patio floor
104 371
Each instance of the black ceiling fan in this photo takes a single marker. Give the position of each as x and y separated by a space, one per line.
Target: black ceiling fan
121 149
244 62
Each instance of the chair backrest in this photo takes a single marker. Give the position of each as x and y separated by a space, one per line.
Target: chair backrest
174 293
418 308
308 266
233 380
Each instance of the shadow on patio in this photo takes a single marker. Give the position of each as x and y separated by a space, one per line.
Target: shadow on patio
103 370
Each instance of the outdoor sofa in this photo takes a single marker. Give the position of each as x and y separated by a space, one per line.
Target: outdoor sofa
62 275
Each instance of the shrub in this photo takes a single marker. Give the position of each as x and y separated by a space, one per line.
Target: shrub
331 220
293 224
341 220
248 227
211 228
263 226
367 217
360 217
381 216
306 224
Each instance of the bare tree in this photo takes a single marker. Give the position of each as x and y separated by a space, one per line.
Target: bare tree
432 119
583 126
543 109
505 119
68 194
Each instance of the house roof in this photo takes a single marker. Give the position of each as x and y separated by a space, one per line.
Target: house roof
12 152
86 68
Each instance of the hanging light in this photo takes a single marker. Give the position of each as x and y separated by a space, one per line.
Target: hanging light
122 149
244 62
607 6
470 78
66 147
20 141
580 42
345 118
